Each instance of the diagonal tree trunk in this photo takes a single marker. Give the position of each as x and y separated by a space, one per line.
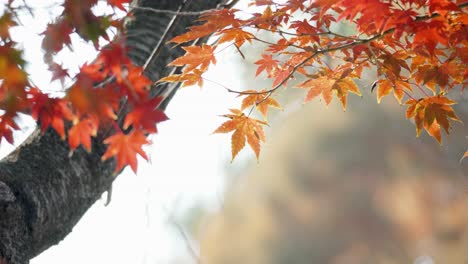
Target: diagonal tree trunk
43 191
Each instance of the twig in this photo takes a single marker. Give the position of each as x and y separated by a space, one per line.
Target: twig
184 13
172 12
183 234
169 27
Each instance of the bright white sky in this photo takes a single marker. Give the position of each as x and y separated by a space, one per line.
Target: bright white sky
186 164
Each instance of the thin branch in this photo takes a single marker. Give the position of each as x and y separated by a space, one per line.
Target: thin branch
302 34
315 54
270 43
163 38
172 12
184 13
187 242
183 234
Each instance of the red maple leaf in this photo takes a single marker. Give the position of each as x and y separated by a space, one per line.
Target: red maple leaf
125 148
6 125
58 72
145 116
118 3
81 133
57 35
50 111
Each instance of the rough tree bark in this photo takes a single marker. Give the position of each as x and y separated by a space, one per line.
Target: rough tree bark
43 191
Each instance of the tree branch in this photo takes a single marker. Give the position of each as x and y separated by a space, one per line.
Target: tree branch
43 191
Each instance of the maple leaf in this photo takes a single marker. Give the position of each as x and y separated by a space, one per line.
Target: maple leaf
281 76
195 32
125 148
6 22
80 16
261 100
325 86
280 45
385 87
7 123
442 6
400 88
261 2
429 34
111 58
57 35
81 133
464 156
431 113
58 72
303 28
245 129
86 99
136 84
237 35
321 85
194 57
294 5
373 15
269 19
118 3
342 88
267 64
186 79
50 111
214 21
392 64
145 116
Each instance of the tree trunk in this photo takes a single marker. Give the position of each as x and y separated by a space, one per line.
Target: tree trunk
43 190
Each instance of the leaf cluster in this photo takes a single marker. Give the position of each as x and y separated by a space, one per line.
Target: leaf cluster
417 49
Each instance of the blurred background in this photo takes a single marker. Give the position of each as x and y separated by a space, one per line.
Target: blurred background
330 187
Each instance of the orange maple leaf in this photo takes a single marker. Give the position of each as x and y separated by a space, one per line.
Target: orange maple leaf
125 148
342 87
237 35
281 76
261 100
464 156
267 64
81 133
385 87
431 113
84 98
196 56
214 21
245 128
325 86
6 22
186 79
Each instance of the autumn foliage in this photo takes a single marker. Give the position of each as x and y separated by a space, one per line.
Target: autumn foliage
418 49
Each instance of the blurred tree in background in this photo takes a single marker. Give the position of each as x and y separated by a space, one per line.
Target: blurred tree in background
345 188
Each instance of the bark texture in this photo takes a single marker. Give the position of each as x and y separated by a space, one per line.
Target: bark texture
43 190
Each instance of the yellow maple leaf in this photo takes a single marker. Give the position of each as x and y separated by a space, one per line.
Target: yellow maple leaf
245 129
